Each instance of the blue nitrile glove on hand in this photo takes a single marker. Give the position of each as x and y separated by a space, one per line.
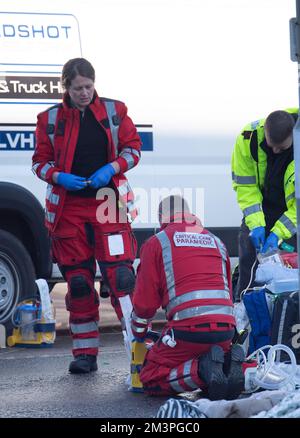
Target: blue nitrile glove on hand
271 243
257 236
102 176
70 181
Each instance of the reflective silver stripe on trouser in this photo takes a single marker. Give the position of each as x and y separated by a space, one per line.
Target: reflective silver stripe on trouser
291 196
168 263
111 112
202 310
253 209
288 224
128 158
50 216
197 295
187 369
86 343
44 170
223 252
52 114
51 197
243 179
173 378
173 381
84 328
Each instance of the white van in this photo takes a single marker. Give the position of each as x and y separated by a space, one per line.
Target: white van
153 56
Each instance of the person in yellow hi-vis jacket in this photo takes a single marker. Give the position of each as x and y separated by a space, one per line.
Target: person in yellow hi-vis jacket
263 174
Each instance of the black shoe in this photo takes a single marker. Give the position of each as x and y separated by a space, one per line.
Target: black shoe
211 372
236 378
83 363
104 290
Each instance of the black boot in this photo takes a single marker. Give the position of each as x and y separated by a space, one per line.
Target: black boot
83 363
210 370
236 378
104 290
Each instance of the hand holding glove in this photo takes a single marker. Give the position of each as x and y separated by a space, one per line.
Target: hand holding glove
271 243
70 181
257 236
102 176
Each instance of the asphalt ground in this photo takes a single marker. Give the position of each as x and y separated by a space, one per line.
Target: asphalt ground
35 383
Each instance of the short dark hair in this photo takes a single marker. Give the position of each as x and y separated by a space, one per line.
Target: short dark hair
75 67
279 125
171 205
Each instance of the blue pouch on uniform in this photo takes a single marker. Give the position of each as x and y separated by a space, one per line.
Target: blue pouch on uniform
258 313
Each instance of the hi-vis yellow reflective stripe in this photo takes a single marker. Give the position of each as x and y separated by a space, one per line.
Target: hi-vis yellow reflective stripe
291 196
288 224
243 179
253 209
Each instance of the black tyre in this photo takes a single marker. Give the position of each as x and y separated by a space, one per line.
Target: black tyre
17 277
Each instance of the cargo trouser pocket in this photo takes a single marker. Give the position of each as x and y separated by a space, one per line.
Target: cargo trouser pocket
65 248
114 247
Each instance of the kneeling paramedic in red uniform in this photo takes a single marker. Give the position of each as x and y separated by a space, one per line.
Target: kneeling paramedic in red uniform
84 144
186 270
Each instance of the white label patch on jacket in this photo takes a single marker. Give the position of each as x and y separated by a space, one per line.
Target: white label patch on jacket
115 244
194 239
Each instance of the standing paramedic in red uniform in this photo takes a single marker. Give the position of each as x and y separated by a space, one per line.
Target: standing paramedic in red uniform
186 270
84 144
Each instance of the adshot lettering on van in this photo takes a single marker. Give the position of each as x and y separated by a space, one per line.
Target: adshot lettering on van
29 42
34 31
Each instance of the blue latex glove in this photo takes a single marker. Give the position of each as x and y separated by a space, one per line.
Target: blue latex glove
102 176
271 243
257 237
71 182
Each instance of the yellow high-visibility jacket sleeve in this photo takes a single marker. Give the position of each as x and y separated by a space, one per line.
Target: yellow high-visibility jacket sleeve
244 180
286 226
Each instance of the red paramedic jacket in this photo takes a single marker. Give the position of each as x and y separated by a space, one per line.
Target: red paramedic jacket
56 144
186 270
